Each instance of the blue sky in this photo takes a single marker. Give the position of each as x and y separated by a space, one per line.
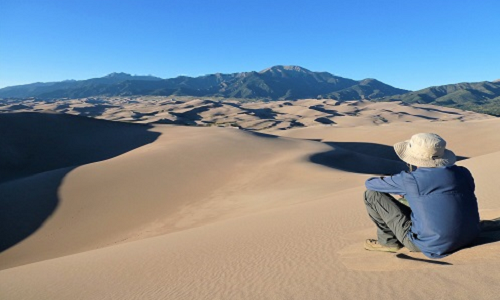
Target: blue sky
407 44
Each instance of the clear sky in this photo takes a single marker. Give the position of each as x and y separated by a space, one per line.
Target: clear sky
407 44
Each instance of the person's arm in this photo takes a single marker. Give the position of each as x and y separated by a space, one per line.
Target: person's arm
387 184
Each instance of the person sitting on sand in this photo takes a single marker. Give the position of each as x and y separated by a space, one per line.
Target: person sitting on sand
442 216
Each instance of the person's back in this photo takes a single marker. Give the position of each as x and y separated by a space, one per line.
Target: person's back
443 214
444 209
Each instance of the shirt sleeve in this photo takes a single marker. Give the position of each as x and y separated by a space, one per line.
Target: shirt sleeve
388 184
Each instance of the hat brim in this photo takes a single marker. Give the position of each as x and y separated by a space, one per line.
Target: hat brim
401 149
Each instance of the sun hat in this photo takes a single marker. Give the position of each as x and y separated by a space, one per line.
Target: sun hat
425 150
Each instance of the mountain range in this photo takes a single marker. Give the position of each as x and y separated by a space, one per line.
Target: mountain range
483 97
275 83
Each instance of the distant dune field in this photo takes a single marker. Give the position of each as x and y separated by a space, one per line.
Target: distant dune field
146 208
254 116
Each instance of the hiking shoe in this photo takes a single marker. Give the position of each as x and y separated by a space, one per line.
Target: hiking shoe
373 245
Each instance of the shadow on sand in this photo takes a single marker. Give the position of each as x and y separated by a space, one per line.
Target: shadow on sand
435 262
38 150
490 232
365 158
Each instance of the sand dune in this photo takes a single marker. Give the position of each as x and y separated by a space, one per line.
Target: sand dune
274 115
172 212
186 178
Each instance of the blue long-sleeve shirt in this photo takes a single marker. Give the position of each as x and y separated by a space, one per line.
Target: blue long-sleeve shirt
444 207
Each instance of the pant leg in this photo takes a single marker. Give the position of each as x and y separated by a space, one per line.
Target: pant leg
392 218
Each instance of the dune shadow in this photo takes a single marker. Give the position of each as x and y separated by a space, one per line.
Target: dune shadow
362 157
38 150
324 120
439 110
93 111
261 134
420 116
372 149
358 157
321 108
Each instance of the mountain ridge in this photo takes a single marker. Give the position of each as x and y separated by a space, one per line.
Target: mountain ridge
280 82
275 83
39 88
482 97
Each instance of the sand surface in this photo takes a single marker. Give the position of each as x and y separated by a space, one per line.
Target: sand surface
93 209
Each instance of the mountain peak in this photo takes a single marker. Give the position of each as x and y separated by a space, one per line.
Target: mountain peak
117 75
369 81
281 69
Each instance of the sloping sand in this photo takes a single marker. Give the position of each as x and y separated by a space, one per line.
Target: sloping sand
217 213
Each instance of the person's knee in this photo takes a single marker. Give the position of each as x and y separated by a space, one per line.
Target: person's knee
372 196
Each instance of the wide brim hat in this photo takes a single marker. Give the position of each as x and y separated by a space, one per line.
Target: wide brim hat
425 150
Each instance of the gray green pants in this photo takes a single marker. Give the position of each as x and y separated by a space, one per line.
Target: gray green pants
392 218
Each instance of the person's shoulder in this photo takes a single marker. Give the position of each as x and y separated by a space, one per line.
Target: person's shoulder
406 175
402 174
461 169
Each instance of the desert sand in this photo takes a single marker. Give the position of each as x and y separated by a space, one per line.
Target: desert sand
98 209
